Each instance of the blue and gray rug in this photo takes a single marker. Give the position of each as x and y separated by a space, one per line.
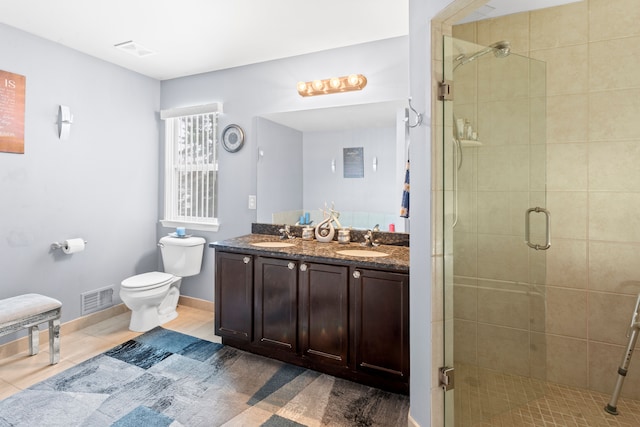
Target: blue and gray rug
165 378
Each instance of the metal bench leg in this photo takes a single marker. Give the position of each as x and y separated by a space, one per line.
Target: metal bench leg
54 341
34 339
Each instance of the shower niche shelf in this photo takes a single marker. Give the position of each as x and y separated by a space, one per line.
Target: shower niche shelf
470 143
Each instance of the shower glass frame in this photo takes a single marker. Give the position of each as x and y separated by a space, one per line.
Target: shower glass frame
494 283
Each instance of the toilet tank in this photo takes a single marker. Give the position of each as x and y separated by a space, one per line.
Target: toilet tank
182 257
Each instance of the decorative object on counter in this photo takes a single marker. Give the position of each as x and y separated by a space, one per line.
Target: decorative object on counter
344 235
357 236
232 138
325 231
332 85
307 233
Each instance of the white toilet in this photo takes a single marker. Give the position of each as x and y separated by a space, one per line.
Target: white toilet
153 297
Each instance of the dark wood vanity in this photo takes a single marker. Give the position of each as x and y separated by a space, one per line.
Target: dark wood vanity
307 305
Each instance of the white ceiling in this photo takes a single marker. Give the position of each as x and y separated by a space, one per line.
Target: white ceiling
196 36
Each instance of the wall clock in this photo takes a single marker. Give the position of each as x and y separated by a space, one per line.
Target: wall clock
232 138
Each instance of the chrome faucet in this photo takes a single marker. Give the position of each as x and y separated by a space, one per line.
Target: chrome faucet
286 233
369 240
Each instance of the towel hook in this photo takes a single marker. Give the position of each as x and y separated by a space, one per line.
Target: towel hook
418 116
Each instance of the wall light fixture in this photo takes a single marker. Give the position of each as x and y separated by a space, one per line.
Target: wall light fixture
332 85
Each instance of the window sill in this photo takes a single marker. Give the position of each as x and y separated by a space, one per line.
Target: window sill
200 226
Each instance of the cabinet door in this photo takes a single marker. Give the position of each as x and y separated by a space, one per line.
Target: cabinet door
275 303
234 295
382 323
324 313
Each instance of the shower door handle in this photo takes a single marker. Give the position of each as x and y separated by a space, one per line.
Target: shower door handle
527 231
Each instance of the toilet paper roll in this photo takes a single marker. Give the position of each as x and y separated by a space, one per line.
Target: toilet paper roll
72 246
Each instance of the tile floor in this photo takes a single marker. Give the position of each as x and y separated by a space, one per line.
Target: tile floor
20 371
486 398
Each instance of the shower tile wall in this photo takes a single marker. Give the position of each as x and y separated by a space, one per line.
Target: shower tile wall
592 52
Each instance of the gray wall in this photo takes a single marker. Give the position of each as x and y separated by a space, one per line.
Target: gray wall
376 192
279 160
100 184
270 87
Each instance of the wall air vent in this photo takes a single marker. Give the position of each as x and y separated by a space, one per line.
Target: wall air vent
96 300
134 49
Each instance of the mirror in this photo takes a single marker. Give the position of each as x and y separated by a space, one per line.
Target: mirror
302 156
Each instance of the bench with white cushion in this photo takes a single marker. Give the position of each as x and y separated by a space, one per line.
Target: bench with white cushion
28 311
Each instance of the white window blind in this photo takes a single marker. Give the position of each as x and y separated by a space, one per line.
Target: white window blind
191 170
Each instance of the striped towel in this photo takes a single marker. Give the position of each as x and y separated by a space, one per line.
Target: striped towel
404 210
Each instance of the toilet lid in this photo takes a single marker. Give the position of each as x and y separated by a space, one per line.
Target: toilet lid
153 279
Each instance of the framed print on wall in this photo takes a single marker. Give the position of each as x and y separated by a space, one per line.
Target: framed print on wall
12 99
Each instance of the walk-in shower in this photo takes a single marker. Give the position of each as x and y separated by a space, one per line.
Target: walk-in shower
494 294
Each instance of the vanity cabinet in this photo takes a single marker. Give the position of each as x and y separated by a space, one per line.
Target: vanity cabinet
275 308
341 319
381 330
234 296
324 313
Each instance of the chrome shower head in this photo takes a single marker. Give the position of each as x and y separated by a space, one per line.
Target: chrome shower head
500 49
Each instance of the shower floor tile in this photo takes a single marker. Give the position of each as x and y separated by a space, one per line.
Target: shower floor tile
485 398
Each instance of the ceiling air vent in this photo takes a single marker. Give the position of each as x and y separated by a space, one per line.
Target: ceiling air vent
134 49
96 300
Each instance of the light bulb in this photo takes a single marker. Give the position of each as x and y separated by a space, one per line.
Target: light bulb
318 85
354 79
302 87
334 82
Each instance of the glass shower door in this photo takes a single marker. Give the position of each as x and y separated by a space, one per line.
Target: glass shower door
496 229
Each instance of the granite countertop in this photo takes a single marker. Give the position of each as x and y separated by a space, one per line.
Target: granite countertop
312 250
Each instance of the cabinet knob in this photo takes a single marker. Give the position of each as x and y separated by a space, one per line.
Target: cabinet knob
291 266
246 260
356 274
303 267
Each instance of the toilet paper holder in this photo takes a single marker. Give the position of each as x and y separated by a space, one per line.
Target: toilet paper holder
61 245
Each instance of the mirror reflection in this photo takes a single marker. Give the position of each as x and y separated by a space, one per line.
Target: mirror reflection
350 158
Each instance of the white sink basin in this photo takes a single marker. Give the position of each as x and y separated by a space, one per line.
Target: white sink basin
362 253
273 244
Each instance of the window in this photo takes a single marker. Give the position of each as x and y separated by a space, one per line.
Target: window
191 167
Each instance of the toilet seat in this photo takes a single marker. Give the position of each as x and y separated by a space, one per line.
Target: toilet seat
145 281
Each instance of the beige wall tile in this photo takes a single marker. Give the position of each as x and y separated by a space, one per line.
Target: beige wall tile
604 360
503 258
503 349
614 115
610 66
567 70
566 312
567 263
559 26
514 28
568 214
465 341
504 123
614 267
465 31
614 216
501 212
567 167
504 168
613 165
612 19
567 118
503 304
465 301
567 361
609 317
465 254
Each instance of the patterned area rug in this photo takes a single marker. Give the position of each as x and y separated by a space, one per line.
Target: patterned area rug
165 378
